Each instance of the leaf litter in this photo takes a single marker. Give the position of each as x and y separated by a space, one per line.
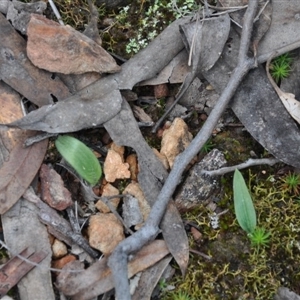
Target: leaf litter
102 104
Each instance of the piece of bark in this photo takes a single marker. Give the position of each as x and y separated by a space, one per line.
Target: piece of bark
12 271
62 49
21 228
97 279
17 71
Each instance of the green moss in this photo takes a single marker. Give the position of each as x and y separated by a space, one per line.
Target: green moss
237 270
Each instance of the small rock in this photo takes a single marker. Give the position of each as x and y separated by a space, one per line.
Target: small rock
285 293
114 167
163 159
105 232
108 190
198 188
119 149
62 49
53 191
59 249
175 140
60 263
134 189
133 166
131 211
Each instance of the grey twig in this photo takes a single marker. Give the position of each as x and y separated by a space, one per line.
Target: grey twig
56 12
249 163
118 259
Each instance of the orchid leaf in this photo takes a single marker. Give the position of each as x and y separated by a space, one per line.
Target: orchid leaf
243 204
80 158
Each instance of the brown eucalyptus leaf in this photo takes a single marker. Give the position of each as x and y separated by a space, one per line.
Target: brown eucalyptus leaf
97 279
17 71
53 191
18 165
149 279
62 49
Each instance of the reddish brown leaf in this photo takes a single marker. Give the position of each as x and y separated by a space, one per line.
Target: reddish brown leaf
64 50
53 191
18 165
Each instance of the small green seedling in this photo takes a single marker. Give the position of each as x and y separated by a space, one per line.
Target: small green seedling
245 212
80 158
280 67
291 183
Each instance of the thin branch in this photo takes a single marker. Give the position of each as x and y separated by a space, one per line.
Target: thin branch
118 260
56 12
249 163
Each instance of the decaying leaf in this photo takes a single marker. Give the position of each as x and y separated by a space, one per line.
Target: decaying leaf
62 49
97 279
12 271
149 279
18 165
72 114
17 71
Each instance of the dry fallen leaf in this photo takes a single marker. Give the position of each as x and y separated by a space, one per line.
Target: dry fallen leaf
18 165
97 279
62 49
17 71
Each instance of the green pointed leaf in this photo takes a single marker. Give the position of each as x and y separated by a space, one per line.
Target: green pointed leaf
243 205
80 158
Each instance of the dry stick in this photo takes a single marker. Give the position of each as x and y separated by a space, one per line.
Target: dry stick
250 162
118 259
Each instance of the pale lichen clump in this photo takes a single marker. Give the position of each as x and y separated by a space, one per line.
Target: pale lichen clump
239 270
